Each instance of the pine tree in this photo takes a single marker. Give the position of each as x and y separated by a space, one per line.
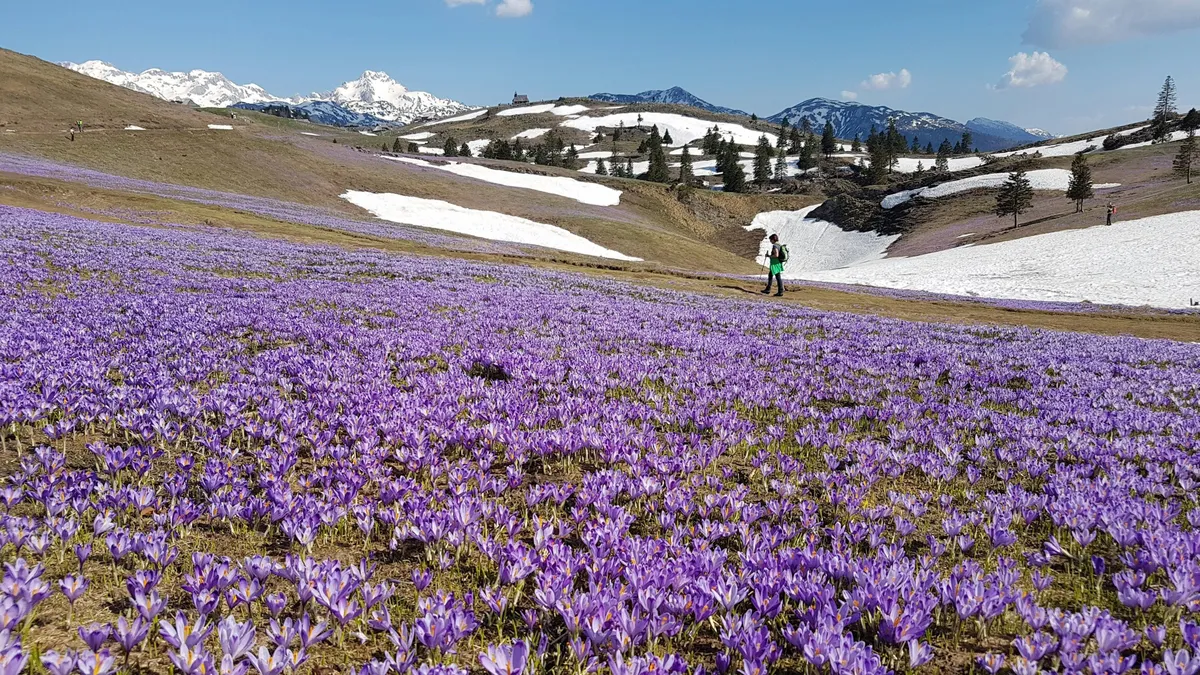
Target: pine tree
1164 111
895 143
920 168
385 147
658 173
916 145
762 161
780 164
929 148
413 149
735 177
667 140
601 167
572 158
968 141
598 139
1079 189
639 122
464 150
396 146
753 117
856 146
1015 197
806 127
783 134
1191 121
795 140
828 140
1186 158
804 156
685 167
450 149
517 152
957 149
721 154
880 156
943 157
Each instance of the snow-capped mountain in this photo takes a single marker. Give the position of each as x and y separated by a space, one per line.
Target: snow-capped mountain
676 95
856 119
1041 133
321 112
379 95
209 90
374 94
982 125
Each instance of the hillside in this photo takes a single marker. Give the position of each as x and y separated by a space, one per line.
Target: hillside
674 95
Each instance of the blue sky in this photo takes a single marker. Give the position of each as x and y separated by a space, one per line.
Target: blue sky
1065 65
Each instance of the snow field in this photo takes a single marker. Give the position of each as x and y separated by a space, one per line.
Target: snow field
308 133
529 134
439 215
816 245
367 133
683 129
584 193
1152 261
421 136
431 151
221 127
1041 179
560 110
134 127
460 118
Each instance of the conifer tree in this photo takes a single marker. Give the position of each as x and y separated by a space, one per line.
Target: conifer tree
629 168
943 156
735 176
1015 197
517 151
856 146
1191 121
895 144
464 151
396 146
450 149
666 139
658 173
828 140
685 167
413 148
806 127
929 148
804 155
572 158
920 168
916 145
385 147
762 161
968 141
783 134
722 153
1186 158
795 140
639 122
601 167
780 164
1164 110
1079 189
880 155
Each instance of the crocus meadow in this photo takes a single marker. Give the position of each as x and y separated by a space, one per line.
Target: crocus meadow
231 455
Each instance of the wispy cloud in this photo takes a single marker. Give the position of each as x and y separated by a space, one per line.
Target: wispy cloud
1068 23
882 81
507 9
1032 70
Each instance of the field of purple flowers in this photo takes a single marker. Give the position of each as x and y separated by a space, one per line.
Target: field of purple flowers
230 455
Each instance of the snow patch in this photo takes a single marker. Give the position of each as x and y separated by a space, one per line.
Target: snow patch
421 136
460 118
442 215
683 129
221 127
134 127
1041 179
431 151
584 193
308 133
816 245
560 110
367 133
531 134
1152 261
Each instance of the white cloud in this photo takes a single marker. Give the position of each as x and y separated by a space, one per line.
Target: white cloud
508 9
1066 23
850 95
883 81
1032 70
513 9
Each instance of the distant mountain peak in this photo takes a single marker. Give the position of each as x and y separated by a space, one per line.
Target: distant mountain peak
676 95
373 95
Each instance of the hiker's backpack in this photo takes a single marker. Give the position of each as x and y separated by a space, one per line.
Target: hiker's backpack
783 253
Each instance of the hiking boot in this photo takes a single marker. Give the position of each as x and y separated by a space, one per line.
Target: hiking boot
779 294
766 292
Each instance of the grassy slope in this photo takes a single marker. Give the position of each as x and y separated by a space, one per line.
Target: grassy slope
269 157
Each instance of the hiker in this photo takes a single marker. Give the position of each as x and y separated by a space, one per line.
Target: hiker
80 125
1112 211
778 256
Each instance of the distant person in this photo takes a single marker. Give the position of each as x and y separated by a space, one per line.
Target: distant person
80 125
1112 211
778 255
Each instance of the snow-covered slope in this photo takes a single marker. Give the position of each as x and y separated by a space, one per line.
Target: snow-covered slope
210 90
377 94
817 245
373 94
683 129
580 191
1040 179
676 95
1006 130
321 112
440 215
1153 261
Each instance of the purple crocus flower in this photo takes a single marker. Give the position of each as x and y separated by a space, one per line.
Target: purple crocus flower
59 663
505 660
94 635
73 587
92 662
267 662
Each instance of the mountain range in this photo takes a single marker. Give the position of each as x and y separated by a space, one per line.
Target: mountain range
374 94
856 119
676 95
320 112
